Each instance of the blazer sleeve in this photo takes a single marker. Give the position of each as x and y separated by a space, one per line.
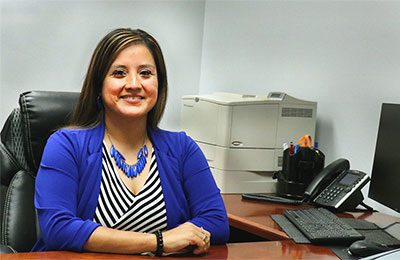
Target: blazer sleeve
56 196
203 196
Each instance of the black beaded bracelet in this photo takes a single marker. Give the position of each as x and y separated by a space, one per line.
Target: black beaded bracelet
160 243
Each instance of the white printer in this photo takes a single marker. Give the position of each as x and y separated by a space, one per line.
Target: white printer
242 135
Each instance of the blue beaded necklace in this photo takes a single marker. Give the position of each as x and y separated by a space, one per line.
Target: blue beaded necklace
130 170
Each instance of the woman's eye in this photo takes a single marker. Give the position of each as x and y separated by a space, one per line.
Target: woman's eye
118 73
146 73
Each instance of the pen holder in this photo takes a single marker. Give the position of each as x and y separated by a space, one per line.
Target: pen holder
298 170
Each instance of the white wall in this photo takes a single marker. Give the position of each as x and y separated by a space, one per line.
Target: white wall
47 45
343 54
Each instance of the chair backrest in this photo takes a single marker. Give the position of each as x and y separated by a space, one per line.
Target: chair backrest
23 138
42 113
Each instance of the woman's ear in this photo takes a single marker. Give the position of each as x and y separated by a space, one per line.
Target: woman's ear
99 102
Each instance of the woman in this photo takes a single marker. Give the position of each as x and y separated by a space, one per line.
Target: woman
113 181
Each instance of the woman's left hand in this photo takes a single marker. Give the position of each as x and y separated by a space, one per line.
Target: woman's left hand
187 235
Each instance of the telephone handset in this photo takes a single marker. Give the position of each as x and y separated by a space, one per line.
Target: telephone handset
334 187
326 176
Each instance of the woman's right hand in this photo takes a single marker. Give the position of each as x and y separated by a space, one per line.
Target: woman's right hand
186 235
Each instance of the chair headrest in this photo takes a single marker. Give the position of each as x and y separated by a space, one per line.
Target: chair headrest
42 113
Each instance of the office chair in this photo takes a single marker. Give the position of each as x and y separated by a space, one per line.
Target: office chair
23 139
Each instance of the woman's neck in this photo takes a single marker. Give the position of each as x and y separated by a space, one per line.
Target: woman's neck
126 132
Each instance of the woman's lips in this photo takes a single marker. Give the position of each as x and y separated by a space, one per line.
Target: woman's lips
133 99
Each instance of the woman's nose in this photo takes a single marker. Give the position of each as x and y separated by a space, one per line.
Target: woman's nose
133 81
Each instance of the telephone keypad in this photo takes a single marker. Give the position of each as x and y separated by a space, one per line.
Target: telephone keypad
341 187
333 193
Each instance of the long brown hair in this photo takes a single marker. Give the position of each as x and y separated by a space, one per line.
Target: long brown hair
87 112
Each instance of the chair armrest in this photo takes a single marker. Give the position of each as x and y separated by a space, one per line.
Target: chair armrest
19 217
6 249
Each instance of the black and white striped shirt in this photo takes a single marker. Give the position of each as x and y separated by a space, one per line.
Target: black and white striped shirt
120 209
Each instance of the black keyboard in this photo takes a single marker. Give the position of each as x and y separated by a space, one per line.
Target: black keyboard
321 226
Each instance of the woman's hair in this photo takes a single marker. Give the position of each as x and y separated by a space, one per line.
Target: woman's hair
89 110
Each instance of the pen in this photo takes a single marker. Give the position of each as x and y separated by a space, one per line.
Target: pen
296 148
316 147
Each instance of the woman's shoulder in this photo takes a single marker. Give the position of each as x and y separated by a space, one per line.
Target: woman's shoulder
165 139
78 132
77 136
170 136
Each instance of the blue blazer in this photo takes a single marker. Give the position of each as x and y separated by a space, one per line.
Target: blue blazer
69 177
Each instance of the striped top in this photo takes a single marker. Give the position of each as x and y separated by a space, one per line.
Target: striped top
120 209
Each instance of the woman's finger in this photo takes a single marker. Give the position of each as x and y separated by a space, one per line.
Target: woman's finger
204 244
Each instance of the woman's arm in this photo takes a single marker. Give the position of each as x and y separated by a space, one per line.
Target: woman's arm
116 241
125 242
203 196
57 195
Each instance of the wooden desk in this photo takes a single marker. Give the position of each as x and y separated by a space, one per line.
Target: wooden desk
254 216
255 250
248 215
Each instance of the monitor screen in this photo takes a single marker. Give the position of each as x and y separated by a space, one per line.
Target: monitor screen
385 177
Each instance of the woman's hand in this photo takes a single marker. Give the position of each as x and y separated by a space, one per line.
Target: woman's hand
186 235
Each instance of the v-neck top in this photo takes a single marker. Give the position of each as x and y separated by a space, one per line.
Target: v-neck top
121 209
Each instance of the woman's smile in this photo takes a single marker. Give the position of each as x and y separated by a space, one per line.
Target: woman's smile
132 99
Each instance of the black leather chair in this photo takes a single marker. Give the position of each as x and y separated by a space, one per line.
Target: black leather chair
23 138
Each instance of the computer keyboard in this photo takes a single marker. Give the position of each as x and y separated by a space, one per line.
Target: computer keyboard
321 226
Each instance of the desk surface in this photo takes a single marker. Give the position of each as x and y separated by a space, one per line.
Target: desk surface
255 250
254 216
249 215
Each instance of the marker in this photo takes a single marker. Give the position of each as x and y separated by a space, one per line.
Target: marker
291 148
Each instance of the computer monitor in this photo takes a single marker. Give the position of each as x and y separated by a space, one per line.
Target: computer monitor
385 177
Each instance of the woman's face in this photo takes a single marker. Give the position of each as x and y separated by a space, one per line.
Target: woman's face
130 87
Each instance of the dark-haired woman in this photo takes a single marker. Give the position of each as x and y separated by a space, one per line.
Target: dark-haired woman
112 181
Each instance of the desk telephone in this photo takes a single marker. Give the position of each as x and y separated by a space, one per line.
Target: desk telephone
336 187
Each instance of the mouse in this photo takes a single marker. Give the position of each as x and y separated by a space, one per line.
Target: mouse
365 248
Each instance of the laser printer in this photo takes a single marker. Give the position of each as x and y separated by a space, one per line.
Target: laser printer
242 135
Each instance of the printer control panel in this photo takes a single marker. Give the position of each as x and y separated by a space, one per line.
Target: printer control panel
276 95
